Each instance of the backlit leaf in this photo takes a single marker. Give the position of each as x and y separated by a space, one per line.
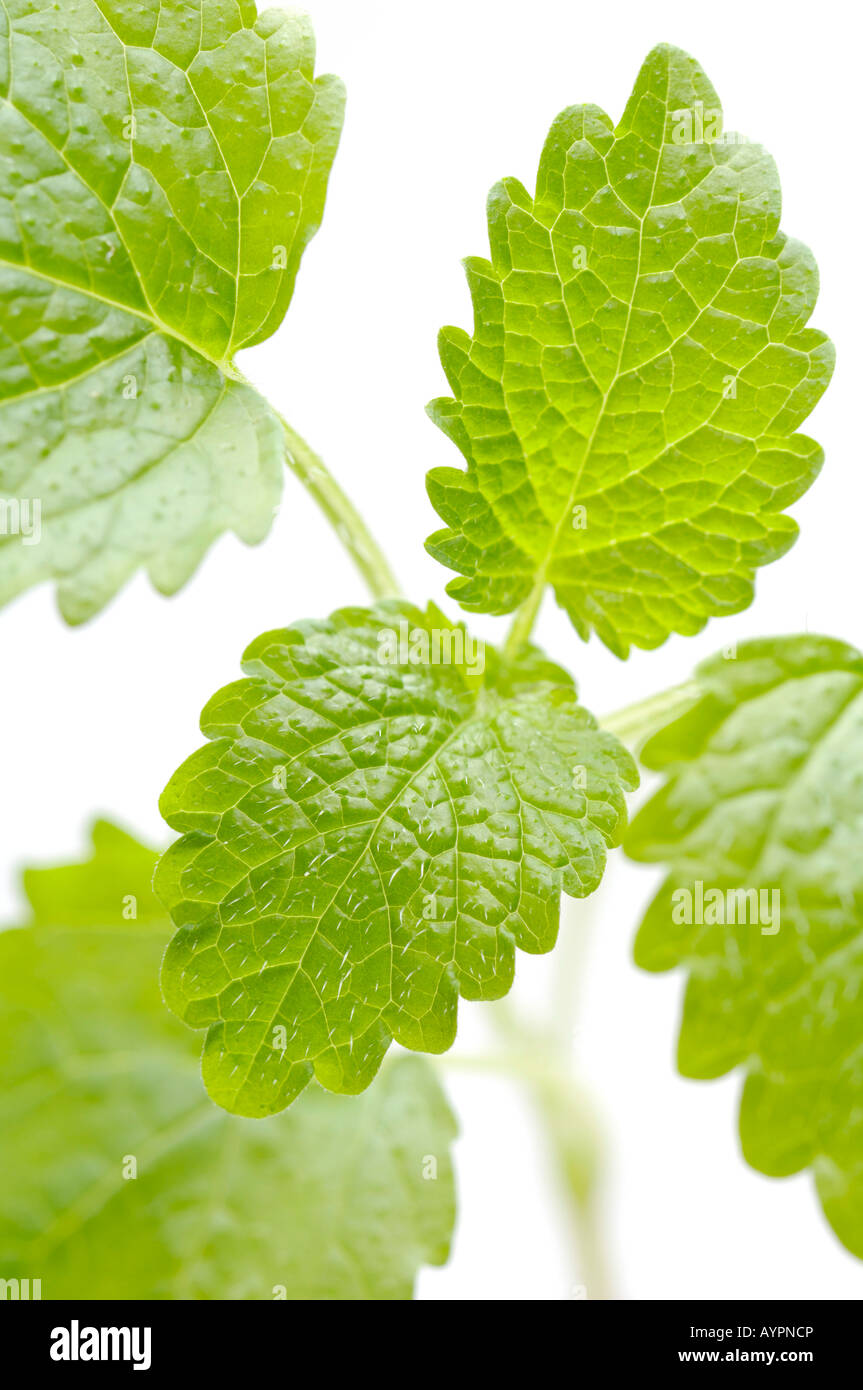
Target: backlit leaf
760 820
382 815
122 1180
163 164
639 363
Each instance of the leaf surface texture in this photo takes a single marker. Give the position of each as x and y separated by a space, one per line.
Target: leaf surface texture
162 167
640 360
366 838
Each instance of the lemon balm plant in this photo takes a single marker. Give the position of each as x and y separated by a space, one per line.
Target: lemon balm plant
386 812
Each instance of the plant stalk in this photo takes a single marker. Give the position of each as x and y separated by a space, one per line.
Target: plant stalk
522 626
572 1133
342 515
539 1062
633 724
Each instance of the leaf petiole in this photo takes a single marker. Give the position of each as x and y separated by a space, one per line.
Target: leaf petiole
342 515
522 626
634 724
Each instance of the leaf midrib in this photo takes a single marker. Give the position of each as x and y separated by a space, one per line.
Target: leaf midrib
224 365
549 557
354 864
154 323
566 511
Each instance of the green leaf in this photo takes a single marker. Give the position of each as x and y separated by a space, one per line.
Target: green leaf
342 1198
763 794
162 167
375 827
638 364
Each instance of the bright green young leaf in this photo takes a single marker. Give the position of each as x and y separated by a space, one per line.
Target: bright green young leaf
163 164
638 365
384 813
121 1180
760 820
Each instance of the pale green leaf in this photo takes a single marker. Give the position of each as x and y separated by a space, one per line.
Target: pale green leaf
162 167
763 796
638 364
371 832
342 1198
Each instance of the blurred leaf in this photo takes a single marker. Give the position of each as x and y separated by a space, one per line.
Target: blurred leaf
762 805
341 1198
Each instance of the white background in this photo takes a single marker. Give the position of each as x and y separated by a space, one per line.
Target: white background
444 98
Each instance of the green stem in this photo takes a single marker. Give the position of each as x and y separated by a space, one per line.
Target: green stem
519 633
635 723
342 515
572 1132
569 1124
540 1063
540 1059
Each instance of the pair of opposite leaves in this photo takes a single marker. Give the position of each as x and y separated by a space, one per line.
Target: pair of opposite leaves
364 841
